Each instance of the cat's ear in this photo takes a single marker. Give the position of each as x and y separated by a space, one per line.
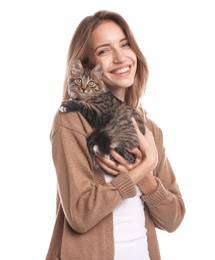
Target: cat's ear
77 66
98 70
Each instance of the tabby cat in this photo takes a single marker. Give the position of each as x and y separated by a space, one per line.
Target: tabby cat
109 117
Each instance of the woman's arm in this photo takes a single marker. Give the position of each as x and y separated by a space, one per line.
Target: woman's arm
155 177
85 199
165 204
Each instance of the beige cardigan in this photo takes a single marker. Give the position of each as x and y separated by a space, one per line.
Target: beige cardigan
84 224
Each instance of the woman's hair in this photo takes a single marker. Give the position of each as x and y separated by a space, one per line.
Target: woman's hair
80 45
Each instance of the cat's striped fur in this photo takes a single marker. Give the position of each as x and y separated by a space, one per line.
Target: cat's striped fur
109 117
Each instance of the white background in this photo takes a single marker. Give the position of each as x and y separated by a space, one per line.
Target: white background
177 39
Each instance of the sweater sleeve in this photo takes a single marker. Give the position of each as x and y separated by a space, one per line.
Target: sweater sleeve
165 204
85 200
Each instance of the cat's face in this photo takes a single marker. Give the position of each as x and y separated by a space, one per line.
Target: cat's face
84 83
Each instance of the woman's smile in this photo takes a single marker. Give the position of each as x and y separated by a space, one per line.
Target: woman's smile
111 48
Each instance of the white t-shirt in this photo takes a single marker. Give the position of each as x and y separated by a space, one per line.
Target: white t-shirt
130 240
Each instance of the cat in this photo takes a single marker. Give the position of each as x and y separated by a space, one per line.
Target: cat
109 117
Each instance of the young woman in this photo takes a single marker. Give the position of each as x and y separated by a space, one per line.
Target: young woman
113 215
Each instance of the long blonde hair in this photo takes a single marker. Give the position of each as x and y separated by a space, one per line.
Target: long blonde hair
80 45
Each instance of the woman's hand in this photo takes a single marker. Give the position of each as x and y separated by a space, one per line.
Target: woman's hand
110 167
142 173
146 158
147 145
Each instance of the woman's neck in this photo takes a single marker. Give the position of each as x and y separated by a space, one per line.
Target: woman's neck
119 93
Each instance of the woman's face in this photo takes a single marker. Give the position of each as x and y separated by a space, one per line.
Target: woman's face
110 47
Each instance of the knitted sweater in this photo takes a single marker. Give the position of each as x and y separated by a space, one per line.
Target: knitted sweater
84 222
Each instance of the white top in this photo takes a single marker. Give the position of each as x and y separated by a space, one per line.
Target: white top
130 240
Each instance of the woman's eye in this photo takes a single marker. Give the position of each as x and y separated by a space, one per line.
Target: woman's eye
100 52
126 44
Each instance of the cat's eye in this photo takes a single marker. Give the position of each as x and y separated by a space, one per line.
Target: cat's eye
78 81
91 83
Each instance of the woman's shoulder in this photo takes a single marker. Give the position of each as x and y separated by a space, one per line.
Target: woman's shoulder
151 124
73 121
153 127
157 134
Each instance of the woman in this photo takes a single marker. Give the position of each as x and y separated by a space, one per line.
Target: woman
112 215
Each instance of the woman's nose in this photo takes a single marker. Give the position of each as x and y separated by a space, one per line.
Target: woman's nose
118 56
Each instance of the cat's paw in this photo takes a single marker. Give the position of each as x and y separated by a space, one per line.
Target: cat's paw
63 107
130 158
